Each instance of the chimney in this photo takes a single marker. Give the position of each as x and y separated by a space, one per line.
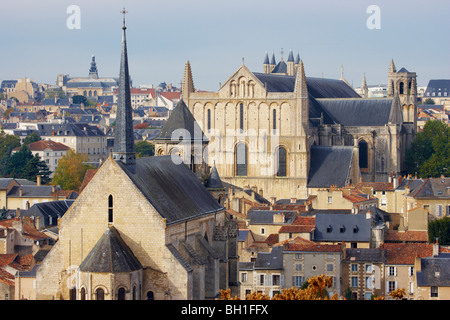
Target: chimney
436 247
20 191
18 225
261 192
293 200
18 213
273 200
38 180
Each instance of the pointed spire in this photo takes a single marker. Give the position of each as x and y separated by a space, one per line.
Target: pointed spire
124 136
188 82
266 59
291 56
392 67
273 61
364 88
300 81
297 59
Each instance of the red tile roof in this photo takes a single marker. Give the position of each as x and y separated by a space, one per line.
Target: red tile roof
28 231
45 144
376 185
7 278
405 253
407 236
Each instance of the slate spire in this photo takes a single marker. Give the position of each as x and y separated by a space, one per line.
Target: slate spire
124 137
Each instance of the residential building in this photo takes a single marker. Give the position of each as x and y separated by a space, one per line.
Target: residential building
49 151
262 223
433 195
303 259
80 137
439 91
363 273
264 275
432 277
348 197
400 266
355 230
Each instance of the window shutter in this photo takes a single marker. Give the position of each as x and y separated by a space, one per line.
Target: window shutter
282 280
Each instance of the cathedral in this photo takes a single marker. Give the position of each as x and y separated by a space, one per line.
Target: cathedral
286 134
142 229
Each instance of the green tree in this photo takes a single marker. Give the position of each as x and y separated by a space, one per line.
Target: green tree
34 167
7 143
71 170
429 101
32 137
144 149
429 155
440 229
14 165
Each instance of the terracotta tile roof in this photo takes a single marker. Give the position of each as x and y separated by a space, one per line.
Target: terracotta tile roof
405 253
28 231
407 236
301 244
357 195
7 278
6 259
376 185
23 263
300 225
272 239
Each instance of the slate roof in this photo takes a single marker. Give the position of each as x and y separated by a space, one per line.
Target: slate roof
110 254
364 255
358 112
69 129
329 166
270 260
53 209
174 190
266 216
435 271
317 87
214 181
30 191
181 118
434 187
356 228
436 86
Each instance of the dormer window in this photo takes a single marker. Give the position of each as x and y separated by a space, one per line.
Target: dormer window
329 229
342 229
355 229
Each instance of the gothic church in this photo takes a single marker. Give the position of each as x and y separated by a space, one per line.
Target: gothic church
287 134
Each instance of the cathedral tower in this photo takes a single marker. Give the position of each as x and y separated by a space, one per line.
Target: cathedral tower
124 137
93 71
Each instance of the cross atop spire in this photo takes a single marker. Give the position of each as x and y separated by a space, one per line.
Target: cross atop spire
124 12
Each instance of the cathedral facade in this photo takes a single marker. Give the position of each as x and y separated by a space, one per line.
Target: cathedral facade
286 134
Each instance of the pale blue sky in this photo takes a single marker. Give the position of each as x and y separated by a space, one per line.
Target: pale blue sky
214 35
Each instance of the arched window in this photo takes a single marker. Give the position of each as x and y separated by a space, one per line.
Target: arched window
281 162
241 158
121 294
100 294
209 120
150 295
274 120
241 117
401 88
83 293
134 296
363 155
110 208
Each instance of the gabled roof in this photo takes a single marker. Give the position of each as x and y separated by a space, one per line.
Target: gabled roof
330 166
364 255
181 121
172 189
110 254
